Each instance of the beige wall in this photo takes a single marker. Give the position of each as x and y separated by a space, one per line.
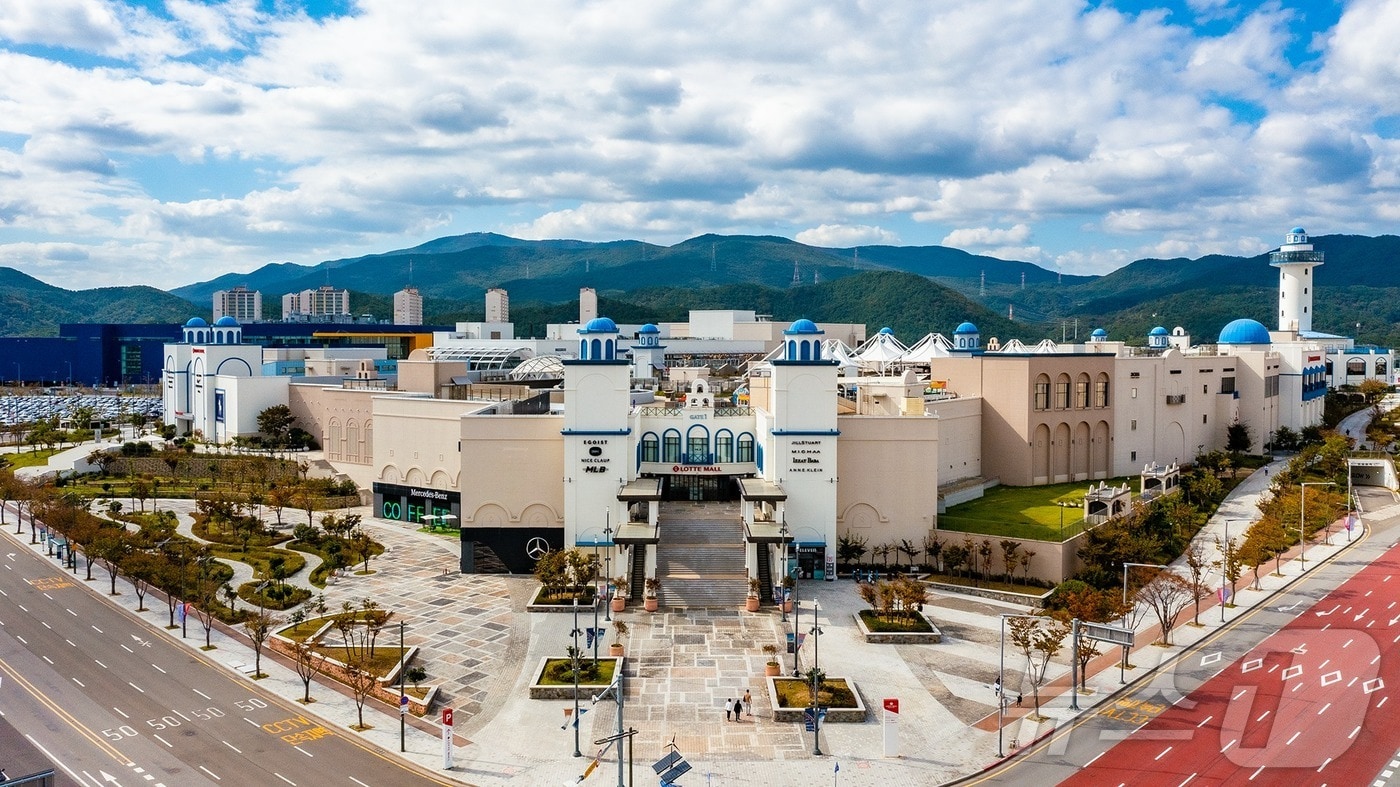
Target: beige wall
419 440
512 466
959 439
888 470
320 410
424 376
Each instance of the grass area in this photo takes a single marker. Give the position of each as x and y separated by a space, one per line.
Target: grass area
260 559
900 625
797 693
30 458
290 596
385 657
558 672
1027 512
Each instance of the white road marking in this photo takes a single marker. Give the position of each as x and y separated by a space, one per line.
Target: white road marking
1263 716
21 606
1160 756
134 686
128 650
357 781
70 642
94 628
71 612
46 625
46 658
1237 696
231 746
303 751
1203 721
119 710
1324 709
80 683
21 639
1324 764
211 773
1232 743
52 758
1256 773
162 740
1353 732
284 778
1087 764
100 664
202 694
158 669
1188 780
1293 738
255 724
47 596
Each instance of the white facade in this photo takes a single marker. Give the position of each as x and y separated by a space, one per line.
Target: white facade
212 383
408 307
240 303
324 301
1295 261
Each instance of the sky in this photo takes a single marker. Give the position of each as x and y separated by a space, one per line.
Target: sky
165 142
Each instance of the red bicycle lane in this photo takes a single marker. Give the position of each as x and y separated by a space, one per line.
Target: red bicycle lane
1307 706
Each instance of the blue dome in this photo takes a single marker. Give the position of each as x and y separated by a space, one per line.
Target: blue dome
599 325
803 325
1099 333
887 331
226 321
966 327
1298 231
649 328
1244 331
196 322
1158 331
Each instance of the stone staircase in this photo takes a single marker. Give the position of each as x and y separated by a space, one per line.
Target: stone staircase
700 557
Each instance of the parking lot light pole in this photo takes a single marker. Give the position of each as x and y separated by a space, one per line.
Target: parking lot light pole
782 604
816 681
574 662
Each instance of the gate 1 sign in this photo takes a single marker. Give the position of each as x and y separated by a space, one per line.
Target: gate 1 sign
891 727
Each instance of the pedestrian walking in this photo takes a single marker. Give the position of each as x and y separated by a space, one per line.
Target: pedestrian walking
728 709
748 703
738 710
1019 697
996 686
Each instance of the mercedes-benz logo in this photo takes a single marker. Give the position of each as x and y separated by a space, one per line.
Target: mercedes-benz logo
536 548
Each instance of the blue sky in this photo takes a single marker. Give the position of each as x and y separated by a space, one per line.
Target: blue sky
165 142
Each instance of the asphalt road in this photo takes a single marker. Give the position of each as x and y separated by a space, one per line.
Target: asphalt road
1294 692
114 703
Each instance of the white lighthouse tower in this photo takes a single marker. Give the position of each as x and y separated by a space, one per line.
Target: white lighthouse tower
1295 261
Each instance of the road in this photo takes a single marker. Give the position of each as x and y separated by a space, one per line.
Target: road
1295 692
114 703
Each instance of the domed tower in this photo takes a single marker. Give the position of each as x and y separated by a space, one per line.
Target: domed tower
196 331
1295 261
966 337
1157 338
227 330
648 354
1099 335
597 404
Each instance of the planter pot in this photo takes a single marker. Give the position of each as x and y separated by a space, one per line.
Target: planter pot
771 669
615 651
619 605
751 604
787 606
651 604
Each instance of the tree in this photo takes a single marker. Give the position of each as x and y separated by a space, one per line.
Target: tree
1196 566
416 674
1038 639
362 682
258 628
143 569
850 548
984 554
1009 548
907 548
275 424
933 547
1166 595
102 459
954 555
109 546
309 661
1231 564
1238 439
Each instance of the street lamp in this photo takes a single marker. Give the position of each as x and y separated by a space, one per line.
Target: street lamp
1123 665
1302 508
574 662
783 534
816 681
1226 549
796 615
607 565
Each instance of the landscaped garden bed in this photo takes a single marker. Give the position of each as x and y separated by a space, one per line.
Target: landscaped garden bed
914 629
837 696
554 678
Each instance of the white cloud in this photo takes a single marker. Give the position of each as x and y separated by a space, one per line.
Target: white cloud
980 124
846 235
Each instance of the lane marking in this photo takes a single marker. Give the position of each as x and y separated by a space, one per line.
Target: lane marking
100 664
47 596
1086 765
80 683
1154 759
49 660
357 781
1203 721
39 696
1188 780
259 726
134 686
231 746
1324 709
1233 742
158 669
1256 773
94 628
71 612
119 710
1263 716
1349 737
303 751
162 740
70 642
1289 742
211 773
128 650
284 778
1324 764
202 694
52 758
21 639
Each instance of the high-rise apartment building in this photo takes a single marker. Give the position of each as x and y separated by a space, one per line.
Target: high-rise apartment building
408 307
240 303
497 305
324 301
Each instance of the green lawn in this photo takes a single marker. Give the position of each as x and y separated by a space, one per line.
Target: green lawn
1027 512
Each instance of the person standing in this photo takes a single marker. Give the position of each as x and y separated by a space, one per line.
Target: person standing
728 708
748 703
738 710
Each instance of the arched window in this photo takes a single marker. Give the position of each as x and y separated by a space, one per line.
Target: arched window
724 446
671 446
806 350
352 441
596 350
1042 393
1062 392
745 448
608 350
1380 367
651 447
697 445
1101 391
335 448
1081 392
1356 366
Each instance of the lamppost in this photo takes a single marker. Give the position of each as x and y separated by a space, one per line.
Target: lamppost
1001 675
796 616
1227 550
574 662
607 565
403 707
1123 665
816 680
783 534
1302 508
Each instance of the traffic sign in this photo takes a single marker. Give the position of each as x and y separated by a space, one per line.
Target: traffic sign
447 717
403 704
1114 634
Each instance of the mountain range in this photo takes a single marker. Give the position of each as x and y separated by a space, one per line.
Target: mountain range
912 290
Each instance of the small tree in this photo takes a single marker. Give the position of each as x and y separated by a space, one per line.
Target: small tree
1166 595
141 568
416 675
258 628
1009 548
984 555
1231 563
362 682
1196 566
933 547
907 548
308 661
1038 639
